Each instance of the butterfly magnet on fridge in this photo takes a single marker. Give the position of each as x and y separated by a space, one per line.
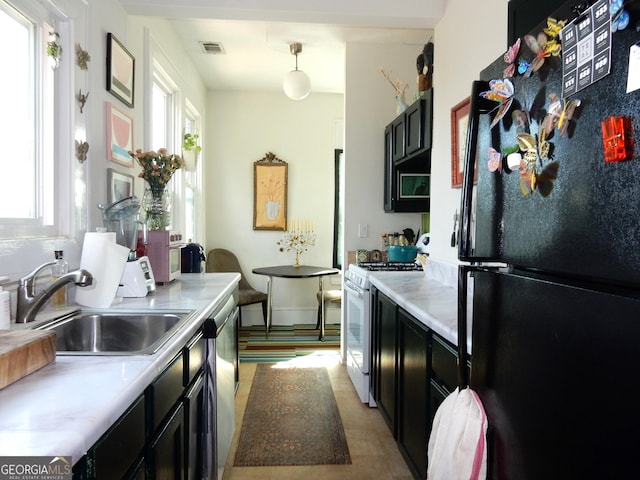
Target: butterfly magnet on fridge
501 91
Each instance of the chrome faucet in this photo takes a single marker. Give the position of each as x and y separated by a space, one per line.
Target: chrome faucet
29 303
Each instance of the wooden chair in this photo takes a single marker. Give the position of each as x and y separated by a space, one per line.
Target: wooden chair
221 260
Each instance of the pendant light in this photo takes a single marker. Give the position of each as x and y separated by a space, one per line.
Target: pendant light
296 83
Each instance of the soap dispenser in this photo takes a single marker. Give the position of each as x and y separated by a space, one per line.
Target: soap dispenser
5 310
60 268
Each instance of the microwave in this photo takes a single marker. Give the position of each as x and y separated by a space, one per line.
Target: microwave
164 252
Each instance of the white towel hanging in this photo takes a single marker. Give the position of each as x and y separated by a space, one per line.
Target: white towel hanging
457 445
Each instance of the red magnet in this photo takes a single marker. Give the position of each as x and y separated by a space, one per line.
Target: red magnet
616 138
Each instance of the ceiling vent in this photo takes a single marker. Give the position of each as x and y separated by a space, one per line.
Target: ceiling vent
214 48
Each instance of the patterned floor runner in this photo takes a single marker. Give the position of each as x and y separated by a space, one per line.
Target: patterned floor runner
285 342
291 418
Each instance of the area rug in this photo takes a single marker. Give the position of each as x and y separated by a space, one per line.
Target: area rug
291 418
285 342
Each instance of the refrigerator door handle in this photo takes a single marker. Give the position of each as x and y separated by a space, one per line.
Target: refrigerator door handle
477 105
463 354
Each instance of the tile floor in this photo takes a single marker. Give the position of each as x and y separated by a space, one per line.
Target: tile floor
374 454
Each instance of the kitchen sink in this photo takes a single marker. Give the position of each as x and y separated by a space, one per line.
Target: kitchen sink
102 333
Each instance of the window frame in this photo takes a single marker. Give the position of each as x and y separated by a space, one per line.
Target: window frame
68 207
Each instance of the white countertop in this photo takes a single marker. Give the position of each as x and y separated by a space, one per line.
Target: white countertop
431 299
64 408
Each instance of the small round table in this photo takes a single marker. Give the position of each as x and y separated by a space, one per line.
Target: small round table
289 271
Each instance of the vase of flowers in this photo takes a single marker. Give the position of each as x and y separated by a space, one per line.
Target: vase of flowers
400 89
157 169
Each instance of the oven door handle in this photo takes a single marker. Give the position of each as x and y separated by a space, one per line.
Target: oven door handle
353 289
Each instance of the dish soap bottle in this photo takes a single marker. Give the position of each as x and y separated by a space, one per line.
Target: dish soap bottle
59 298
5 310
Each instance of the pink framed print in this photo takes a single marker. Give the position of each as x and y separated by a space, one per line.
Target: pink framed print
119 136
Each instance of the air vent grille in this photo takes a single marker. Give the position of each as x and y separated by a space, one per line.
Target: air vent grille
214 48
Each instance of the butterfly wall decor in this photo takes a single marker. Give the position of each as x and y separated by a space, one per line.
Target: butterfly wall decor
501 91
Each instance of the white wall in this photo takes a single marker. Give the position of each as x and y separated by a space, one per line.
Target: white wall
470 36
369 107
241 129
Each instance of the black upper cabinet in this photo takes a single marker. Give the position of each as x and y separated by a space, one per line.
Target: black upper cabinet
411 130
407 158
398 144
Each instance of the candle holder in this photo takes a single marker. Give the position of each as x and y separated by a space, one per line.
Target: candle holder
298 239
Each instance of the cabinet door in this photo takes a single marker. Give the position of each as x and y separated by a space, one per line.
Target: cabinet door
389 171
387 377
414 127
194 400
166 452
115 453
398 139
414 418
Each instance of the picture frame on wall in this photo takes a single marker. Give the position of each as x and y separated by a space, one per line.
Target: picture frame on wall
119 185
414 185
119 136
120 71
270 193
459 126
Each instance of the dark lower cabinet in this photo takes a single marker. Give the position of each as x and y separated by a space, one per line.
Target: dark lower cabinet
166 451
414 419
121 448
413 369
160 435
387 363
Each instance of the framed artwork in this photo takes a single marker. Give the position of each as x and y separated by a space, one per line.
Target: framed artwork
413 185
459 124
270 193
120 70
119 136
119 185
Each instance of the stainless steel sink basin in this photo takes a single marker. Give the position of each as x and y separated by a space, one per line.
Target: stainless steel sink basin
92 333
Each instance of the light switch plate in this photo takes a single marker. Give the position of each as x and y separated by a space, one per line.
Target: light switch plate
363 230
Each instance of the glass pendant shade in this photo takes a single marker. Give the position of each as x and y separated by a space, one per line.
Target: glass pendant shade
296 85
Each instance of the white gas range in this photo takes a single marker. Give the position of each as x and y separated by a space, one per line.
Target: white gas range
357 303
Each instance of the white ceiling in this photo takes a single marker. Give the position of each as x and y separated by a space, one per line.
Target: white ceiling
256 34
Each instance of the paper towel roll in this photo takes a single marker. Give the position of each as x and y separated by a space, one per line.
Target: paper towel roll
105 260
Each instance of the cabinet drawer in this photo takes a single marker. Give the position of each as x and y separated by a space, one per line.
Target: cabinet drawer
444 362
194 354
166 390
116 452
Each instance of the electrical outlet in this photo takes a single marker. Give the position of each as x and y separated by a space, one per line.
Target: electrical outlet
363 230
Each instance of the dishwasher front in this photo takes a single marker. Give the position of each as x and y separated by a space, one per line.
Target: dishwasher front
221 331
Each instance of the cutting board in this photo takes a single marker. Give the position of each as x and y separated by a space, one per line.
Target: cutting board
23 352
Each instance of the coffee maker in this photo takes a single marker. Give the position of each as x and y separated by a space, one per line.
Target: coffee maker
121 217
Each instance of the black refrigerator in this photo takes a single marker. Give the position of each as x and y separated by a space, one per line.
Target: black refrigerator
553 247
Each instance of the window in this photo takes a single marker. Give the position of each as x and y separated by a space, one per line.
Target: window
27 125
164 111
191 125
